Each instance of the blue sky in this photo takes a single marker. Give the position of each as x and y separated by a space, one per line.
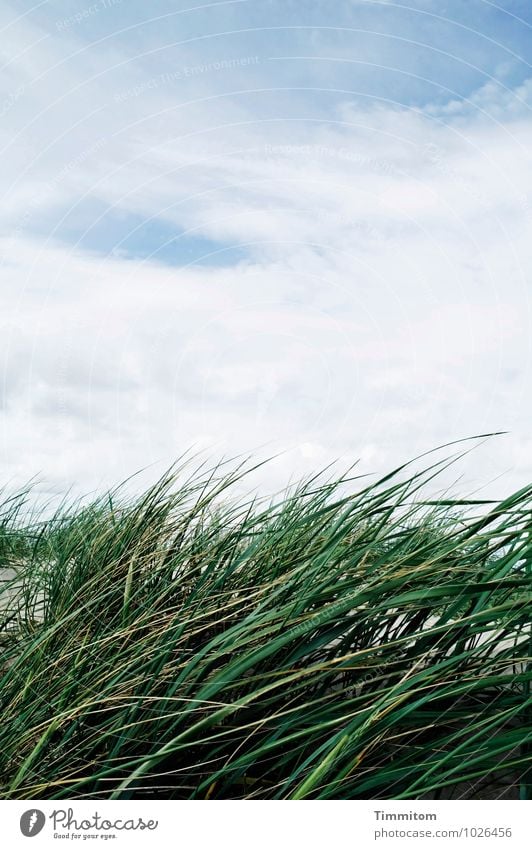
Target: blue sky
296 227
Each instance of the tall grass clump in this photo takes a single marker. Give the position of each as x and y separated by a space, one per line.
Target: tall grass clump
347 641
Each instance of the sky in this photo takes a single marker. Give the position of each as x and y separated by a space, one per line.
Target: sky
291 228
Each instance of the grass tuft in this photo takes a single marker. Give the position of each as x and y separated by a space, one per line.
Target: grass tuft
348 641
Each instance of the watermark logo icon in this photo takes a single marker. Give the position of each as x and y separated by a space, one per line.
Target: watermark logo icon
32 822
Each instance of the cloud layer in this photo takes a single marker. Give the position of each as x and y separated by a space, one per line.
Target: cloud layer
227 230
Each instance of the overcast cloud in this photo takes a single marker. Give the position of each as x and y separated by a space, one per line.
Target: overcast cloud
259 227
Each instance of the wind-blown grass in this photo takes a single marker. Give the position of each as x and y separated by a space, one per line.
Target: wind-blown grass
329 645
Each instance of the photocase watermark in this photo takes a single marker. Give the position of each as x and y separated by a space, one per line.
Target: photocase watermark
46 190
321 151
67 825
32 822
357 225
439 160
78 160
85 14
8 102
184 73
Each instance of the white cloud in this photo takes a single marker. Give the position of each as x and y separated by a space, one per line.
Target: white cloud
382 306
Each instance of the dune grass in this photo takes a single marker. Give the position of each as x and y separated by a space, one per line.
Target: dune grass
348 641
